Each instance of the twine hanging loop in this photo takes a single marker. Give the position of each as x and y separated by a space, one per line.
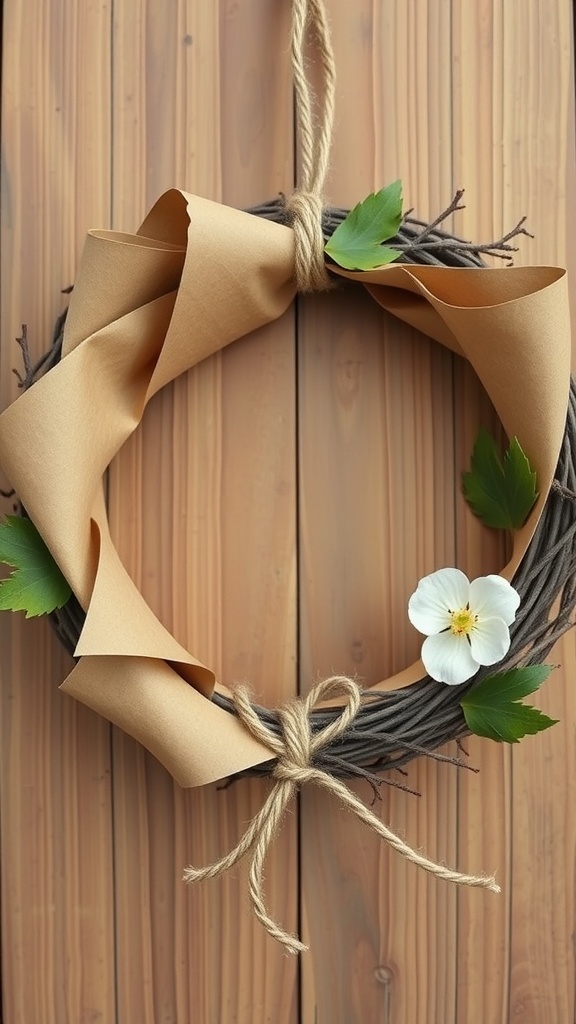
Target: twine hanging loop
305 204
295 750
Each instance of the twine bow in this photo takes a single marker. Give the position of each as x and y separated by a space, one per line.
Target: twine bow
295 750
304 205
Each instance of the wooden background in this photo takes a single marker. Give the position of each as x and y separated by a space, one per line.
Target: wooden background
276 508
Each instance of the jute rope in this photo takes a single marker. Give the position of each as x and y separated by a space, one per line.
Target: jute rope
304 205
295 750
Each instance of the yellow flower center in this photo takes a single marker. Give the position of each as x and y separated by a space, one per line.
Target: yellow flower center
462 622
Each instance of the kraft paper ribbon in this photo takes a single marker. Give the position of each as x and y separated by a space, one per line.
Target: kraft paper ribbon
148 306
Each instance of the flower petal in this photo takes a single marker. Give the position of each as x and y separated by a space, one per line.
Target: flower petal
448 658
428 608
489 641
494 596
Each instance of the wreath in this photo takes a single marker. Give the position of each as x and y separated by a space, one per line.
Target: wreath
194 278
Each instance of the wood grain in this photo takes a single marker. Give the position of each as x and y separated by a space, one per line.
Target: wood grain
211 476
58 955
377 485
473 61
517 90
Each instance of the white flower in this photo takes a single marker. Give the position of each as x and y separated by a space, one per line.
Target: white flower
465 624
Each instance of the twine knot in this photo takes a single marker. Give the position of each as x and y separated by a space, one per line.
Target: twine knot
299 744
304 215
295 750
293 764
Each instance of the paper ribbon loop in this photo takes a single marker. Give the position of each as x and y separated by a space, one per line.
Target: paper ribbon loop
295 750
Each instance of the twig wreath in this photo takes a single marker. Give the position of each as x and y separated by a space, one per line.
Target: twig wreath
195 277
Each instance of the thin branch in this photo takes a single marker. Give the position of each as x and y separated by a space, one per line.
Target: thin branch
445 243
490 249
564 491
452 208
348 769
28 378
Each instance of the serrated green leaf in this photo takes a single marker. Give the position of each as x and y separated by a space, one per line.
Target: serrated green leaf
493 708
36 585
500 492
357 242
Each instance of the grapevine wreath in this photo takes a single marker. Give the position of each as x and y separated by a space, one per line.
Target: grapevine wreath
194 278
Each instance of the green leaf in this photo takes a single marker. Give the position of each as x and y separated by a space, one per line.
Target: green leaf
493 708
500 492
36 586
357 242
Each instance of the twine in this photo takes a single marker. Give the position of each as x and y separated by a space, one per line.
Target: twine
304 205
295 750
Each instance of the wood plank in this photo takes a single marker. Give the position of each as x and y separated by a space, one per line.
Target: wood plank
514 150
57 910
476 95
484 801
376 433
496 939
212 475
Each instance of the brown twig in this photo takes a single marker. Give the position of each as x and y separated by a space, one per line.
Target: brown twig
489 249
25 381
499 248
329 762
566 492
32 371
452 208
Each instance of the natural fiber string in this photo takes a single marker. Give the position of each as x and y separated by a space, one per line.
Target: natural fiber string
304 206
295 750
